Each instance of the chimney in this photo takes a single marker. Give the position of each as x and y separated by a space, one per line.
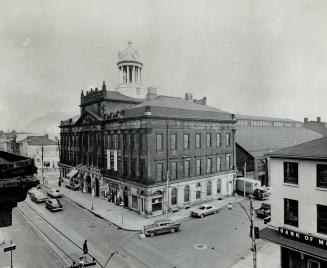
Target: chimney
147 110
318 119
305 119
152 93
188 96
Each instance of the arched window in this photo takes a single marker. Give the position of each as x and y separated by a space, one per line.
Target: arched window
209 188
218 186
198 191
187 193
174 196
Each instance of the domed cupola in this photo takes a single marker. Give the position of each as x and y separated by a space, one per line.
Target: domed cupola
130 66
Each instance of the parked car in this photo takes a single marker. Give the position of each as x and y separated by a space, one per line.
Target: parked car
161 226
34 189
264 211
38 197
54 192
204 210
261 193
53 204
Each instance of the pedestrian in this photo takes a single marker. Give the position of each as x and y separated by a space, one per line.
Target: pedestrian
59 183
85 250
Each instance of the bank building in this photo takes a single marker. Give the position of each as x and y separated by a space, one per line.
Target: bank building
148 152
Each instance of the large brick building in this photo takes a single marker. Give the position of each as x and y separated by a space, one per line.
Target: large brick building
125 147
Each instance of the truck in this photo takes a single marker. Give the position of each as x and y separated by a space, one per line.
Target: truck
250 185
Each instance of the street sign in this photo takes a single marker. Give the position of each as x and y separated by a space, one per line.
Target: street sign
10 248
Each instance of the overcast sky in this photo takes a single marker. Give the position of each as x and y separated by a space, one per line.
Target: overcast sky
249 57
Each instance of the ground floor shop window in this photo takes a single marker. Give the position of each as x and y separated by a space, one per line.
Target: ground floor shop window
174 196
218 186
198 191
156 204
134 202
208 188
187 193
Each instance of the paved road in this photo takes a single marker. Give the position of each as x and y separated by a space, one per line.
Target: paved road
215 241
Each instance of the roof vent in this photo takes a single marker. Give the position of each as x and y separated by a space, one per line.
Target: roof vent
152 93
305 119
147 110
318 119
188 96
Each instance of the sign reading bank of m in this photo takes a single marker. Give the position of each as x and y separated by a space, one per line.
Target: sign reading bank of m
112 159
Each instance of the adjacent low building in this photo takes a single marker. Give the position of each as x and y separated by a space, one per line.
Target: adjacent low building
259 135
299 204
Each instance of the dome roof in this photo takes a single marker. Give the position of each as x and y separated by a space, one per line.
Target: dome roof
129 53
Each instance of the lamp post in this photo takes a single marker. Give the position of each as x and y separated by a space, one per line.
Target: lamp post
167 186
251 219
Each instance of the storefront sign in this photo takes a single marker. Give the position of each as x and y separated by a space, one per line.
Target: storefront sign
305 238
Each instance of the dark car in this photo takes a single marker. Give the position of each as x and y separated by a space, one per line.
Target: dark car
261 193
264 211
161 226
53 204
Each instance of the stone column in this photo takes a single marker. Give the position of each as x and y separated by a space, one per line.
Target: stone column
127 74
121 74
133 74
140 77
84 183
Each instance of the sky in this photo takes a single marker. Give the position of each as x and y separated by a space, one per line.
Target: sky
264 57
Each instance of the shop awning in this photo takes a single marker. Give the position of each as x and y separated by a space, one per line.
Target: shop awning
72 173
274 236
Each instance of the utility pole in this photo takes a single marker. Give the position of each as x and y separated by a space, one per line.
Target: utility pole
244 179
254 247
42 162
167 192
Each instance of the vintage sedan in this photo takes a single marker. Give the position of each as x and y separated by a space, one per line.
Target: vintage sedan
161 226
53 204
54 192
204 210
264 211
38 197
34 190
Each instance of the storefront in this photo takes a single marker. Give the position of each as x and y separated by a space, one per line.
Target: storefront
298 250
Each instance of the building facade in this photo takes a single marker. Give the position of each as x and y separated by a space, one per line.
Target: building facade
153 154
299 204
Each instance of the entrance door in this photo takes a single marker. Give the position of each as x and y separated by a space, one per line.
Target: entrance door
125 199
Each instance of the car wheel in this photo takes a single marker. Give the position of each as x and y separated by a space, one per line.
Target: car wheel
172 230
215 212
201 215
152 234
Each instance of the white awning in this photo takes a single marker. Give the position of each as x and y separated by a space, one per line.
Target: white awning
72 173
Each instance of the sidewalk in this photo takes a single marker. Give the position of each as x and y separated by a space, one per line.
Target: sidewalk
268 256
122 217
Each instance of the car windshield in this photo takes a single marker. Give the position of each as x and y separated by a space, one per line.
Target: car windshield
55 202
202 208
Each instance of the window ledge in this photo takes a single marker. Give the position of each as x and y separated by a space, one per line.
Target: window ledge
290 184
321 189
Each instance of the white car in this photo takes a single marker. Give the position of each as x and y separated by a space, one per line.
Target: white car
54 192
204 210
34 190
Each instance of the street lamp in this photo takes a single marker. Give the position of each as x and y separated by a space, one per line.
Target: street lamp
252 228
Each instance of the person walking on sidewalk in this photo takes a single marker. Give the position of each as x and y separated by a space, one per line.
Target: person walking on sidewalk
85 249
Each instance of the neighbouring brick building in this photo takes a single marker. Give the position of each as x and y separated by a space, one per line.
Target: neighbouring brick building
127 147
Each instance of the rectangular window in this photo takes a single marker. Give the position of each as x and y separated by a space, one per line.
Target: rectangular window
322 219
143 141
209 165
228 161
291 209
291 172
125 168
159 142
321 175
227 139
133 169
134 141
173 144
198 166
186 141
218 138
142 168
197 140
159 171
218 163
173 170
208 140
187 168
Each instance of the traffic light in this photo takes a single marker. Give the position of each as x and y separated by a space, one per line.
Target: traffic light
256 232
